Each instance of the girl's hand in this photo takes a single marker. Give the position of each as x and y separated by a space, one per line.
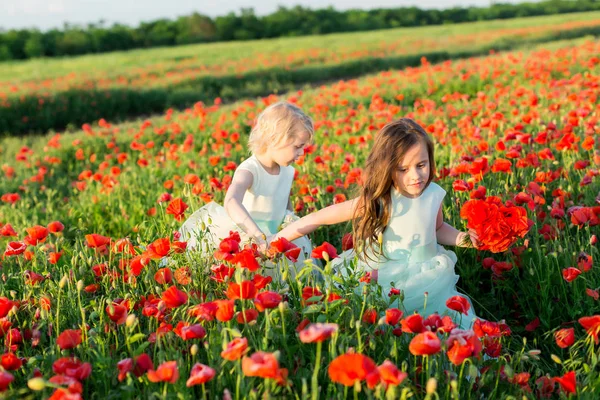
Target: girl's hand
269 251
474 238
261 242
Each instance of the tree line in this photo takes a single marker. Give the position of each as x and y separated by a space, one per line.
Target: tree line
20 44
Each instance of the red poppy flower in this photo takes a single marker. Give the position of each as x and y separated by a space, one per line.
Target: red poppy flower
55 227
569 274
317 332
73 367
459 304
174 297
393 316
224 310
177 208
15 248
163 276
593 293
96 241
564 337
221 272
124 366
462 344
246 290
533 325
246 316
37 234
324 250
54 257
137 264
188 332
261 364
425 344
267 300
200 374
69 339
370 316
10 362
143 363
5 380
390 375
117 313
489 328
158 249
8 230
235 349
347 242
310 293
591 325
584 262
261 281
567 382
412 324
166 372
204 311
281 245
178 247
348 369
5 306
246 259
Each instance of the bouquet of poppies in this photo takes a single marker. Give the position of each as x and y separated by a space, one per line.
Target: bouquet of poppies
497 225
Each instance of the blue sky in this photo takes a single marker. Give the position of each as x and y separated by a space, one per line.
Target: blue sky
46 14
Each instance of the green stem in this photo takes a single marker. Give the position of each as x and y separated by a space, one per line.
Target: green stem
315 376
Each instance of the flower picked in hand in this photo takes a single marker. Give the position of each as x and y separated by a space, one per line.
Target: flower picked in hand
497 225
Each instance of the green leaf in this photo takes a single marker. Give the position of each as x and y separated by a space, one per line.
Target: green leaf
141 348
135 338
313 308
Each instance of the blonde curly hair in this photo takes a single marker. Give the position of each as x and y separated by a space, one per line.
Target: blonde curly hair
278 122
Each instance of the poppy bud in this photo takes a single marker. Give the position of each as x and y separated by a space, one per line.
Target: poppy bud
431 386
36 384
131 321
194 349
63 281
79 285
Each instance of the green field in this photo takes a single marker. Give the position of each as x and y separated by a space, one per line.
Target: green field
39 95
119 63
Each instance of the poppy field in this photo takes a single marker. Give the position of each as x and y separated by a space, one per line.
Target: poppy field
44 94
99 299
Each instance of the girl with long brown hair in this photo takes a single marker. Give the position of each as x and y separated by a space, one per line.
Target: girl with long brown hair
398 223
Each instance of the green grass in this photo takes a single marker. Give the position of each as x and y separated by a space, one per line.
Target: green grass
114 64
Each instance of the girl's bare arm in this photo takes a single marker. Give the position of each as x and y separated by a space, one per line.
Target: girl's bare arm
327 216
242 181
450 236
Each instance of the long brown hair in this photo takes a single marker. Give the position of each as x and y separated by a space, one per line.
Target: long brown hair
374 204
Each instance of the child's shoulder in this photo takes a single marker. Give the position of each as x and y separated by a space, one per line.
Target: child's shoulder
249 164
436 190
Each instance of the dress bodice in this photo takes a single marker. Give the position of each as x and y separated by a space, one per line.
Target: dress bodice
267 198
410 235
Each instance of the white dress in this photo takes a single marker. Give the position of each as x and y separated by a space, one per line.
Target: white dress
415 262
266 201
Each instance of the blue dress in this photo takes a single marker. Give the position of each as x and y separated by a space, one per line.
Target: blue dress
415 263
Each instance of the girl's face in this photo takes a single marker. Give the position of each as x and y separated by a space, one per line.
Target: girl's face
289 151
411 176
